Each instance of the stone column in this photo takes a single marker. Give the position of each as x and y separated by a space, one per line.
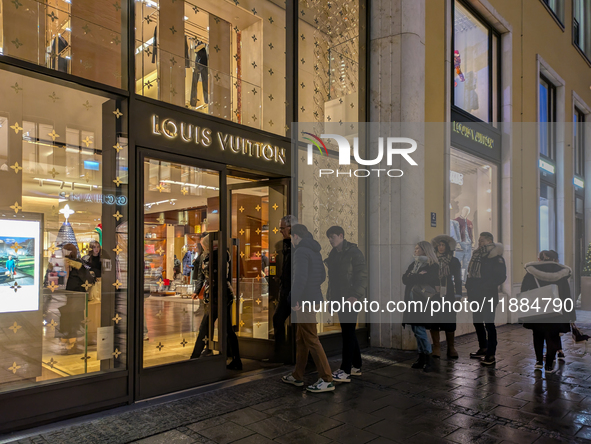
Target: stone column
396 205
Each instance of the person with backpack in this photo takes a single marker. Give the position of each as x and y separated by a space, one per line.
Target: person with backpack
307 275
347 280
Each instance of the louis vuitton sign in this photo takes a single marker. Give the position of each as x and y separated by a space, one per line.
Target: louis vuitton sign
225 141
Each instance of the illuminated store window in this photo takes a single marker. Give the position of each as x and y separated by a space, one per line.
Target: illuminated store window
475 65
63 232
82 38
222 58
547 217
473 205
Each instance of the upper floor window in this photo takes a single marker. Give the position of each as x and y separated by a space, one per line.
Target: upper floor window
475 65
582 25
547 117
557 8
579 142
82 38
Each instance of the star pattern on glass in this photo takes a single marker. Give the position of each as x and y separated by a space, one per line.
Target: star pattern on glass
173 61
241 209
148 19
235 57
173 30
117 147
236 2
254 64
303 85
160 251
15 286
85 358
254 11
117 215
15 327
286 128
148 52
117 113
52 286
217 77
241 323
241 232
17 43
16 127
302 12
352 105
258 231
195 9
149 84
117 6
184 342
217 20
254 117
271 97
271 123
258 301
236 30
303 109
14 368
116 39
328 118
275 230
242 254
258 278
254 38
51 363
16 207
117 318
86 29
87 105
116 353
254 91
52 16
159 314
117 181
16 167
184 190
271 72
16 88
173 92
87 141
117 284
316 44
16 3
271 46
303 37
217 48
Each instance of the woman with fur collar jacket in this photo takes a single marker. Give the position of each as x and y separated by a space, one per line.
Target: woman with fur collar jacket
548 272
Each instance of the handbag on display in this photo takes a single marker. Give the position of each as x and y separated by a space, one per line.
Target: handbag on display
535 297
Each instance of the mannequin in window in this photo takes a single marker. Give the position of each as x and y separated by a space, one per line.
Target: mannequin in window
464 252
200 70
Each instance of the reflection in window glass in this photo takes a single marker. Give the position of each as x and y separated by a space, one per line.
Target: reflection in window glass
77 37
473 206
547 97
547 217
222 58
61 207
471 68
582 25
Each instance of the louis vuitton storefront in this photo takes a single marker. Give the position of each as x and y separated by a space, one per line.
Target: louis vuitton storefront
127 132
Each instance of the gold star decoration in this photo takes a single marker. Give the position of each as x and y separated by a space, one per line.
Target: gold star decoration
54 172
241 323
87 285
53 135
117 318
117 113
117 215
257 254
116 353
16 247
275 230
160 346
16 167
258 278
275 206
242 254
53 286
160 188
241 209
160 251
258 231
117 147
183 342
51 363
16 127
14 368
87 141
117 250
117 284
258 207
160 282
159 314
16 88
16 207
117 181
15 327
258 324
184 190
258 301
52 324
241 232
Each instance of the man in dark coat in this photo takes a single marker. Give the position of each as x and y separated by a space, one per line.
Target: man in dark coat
308 275
347 281
283 308
486 272
548 326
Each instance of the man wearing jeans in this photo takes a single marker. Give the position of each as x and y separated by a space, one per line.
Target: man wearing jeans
347 280
486 272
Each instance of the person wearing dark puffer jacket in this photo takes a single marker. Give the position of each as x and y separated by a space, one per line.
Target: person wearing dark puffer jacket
307 275
548 327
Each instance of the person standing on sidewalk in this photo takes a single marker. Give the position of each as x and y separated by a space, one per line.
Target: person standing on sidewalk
347 280
486 272
450 280
422 283
307 276
548 327
283 309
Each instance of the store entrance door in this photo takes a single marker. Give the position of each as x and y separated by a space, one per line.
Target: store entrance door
256 248
181 334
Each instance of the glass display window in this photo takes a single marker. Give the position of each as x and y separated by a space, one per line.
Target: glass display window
475 65
547 217
224 58
80 38
63 213
473 205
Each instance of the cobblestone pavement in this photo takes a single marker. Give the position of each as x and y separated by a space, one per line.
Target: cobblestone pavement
459 402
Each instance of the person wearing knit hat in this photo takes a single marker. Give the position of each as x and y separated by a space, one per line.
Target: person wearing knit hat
450 278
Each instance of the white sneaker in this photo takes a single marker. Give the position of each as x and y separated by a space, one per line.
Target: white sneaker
341 376
320 386
355 371
289 379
